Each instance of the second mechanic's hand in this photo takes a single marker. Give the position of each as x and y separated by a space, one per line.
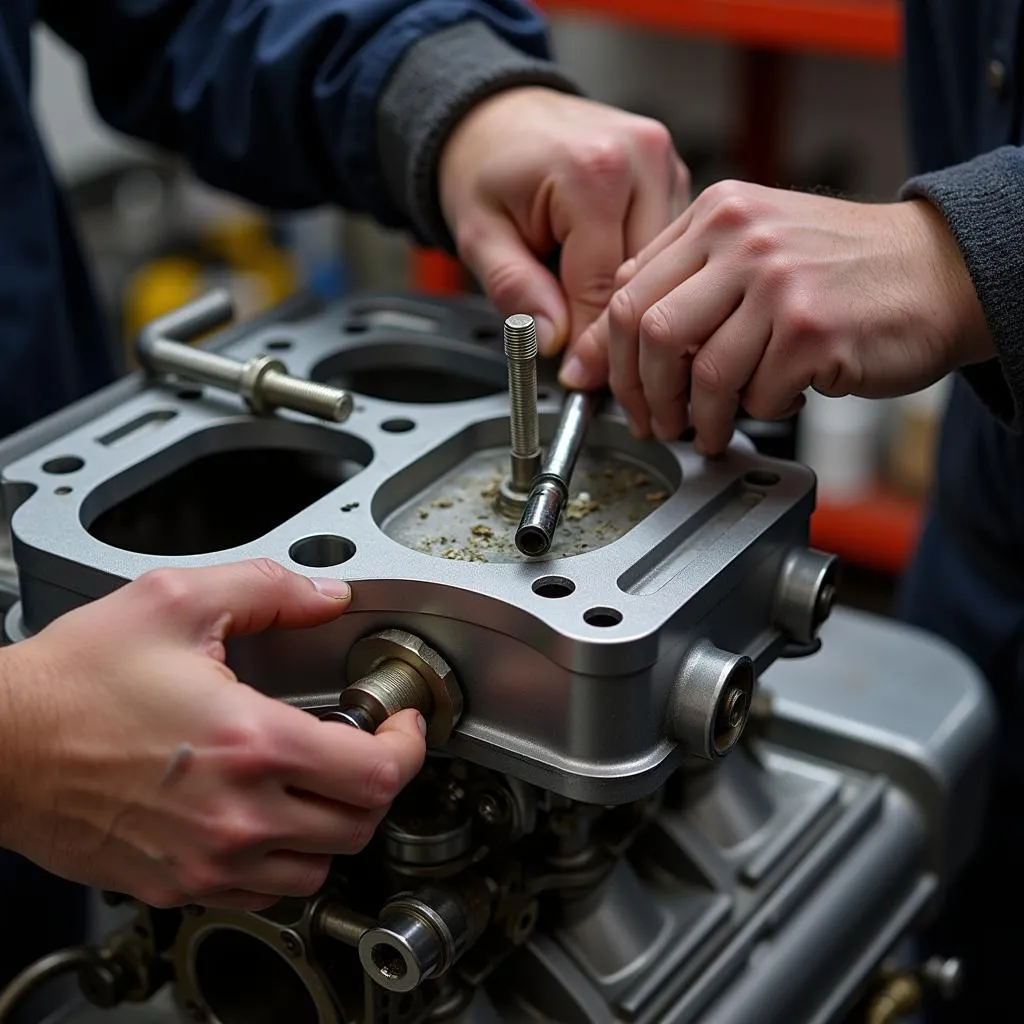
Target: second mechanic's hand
532 169
754 295
140 764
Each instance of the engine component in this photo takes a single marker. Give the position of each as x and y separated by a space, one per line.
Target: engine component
524 429
550 489
638 804
394 670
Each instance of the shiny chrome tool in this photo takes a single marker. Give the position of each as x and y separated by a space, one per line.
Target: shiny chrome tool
263 381
550 489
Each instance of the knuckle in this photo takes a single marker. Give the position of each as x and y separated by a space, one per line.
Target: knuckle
601 163
200 877
162 897
270 570
235 834
383 782
506 282
706 373
359 834
800 318
624 275
653 137
168 588
656 328
760 240
311 879
731 206
776 273
621 310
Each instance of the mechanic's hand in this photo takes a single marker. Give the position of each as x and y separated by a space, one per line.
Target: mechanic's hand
754 295
532 169
132 759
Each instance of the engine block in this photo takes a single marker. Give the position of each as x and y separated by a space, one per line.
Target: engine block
619 819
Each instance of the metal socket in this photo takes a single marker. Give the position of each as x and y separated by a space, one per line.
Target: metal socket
550 491
421 936
805 593
393 670
711 700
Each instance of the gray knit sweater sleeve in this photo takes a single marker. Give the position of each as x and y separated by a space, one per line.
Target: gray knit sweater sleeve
983 204
436 83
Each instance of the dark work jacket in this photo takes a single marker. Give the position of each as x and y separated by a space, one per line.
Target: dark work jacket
274 100
965 87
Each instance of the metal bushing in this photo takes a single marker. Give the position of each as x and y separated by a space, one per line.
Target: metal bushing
370 656
251 381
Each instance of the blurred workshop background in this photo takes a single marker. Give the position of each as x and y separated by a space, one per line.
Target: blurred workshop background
805 93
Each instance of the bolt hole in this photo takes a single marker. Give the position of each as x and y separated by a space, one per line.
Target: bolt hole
398 426
63 464
734 706
190 394
321 551
388 961
761 478
355 327
553 586
543 395
485 333
62 490
278 345
602 618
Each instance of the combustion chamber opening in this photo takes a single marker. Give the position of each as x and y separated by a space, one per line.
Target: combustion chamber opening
244 981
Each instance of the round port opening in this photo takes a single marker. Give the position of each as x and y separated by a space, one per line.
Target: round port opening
553 586
321 551
733 706
278 345
63 464
397 426
242 980
408 372
761 478
388 961
602 618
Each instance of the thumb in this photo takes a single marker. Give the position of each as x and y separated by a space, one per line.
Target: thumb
239 598
403 734
515 280
586 363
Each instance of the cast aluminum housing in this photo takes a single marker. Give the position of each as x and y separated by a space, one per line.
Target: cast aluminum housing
585 671
771 883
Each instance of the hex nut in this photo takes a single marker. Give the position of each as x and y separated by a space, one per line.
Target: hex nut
253 373
398 645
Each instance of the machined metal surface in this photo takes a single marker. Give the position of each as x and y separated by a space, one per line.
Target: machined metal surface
771 886
550 490
664 549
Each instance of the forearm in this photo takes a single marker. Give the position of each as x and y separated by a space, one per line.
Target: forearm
982 202
278 100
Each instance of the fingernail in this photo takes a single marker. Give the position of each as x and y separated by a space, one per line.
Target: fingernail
421 724
573 373
337 589
547 336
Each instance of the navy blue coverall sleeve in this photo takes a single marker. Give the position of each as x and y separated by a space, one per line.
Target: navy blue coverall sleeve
274 100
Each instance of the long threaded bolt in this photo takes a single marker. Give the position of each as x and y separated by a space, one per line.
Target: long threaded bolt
521 353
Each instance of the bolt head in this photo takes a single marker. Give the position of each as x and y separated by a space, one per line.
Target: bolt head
397 644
